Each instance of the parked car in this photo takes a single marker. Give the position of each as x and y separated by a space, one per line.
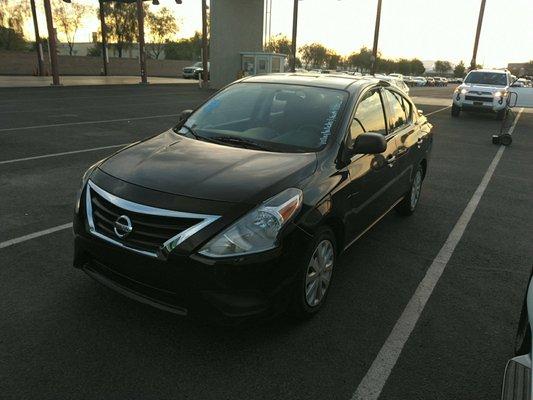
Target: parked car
408 80
244 207
399 83
420 81
195 70
430 81
440 81
483 90
517 380
398 76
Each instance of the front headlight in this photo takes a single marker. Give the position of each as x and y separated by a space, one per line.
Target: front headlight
258 230
84 179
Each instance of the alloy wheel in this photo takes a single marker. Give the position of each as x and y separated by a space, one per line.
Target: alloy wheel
319 271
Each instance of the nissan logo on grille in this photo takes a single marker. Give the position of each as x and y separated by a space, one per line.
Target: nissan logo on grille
122 226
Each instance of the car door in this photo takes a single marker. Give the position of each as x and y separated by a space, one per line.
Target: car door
410 137
369 191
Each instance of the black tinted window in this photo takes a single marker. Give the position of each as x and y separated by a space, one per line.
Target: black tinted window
369 116
399 110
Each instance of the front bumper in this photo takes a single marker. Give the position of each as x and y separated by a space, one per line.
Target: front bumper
225 291
494 104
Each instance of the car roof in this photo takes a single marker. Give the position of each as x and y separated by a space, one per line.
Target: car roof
331 81
500 71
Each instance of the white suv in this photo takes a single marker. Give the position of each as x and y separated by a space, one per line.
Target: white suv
482 90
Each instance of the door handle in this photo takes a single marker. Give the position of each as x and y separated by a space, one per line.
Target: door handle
390 161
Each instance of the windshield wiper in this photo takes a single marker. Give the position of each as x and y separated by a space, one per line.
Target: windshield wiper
191 131
250 144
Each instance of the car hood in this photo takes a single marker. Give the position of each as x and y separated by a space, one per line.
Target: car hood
481 88
175 164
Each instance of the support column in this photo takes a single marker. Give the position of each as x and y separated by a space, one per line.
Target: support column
376 39
294 35
103 28
38 44
473 62
205 74
230 36
52 41
142 54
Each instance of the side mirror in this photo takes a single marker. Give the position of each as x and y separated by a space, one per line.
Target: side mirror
369 143
184 115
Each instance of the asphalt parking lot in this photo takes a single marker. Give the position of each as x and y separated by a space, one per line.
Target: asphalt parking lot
63 335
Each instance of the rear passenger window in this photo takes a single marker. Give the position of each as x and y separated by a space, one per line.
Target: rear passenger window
369 116
400 110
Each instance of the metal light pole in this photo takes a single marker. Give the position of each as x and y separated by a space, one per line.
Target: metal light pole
478 32
205 73
40 58
103 28
52 43
142 54
294 34
376 38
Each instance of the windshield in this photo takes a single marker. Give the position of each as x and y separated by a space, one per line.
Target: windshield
273 117
486 78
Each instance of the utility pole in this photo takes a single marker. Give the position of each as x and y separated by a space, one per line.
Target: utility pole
103 28
376 39
205 56
142 54
52 43
38 44
478 32
294 34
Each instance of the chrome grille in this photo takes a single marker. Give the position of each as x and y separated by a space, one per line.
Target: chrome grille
153 230
478 98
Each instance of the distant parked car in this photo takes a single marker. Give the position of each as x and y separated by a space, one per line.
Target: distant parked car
399 76
440 81
430 81
483 90
195 70
420 81
399 83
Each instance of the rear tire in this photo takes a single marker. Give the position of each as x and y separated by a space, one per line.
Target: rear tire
316 266
409 203
456 110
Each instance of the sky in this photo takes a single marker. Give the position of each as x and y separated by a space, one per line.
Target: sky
426 29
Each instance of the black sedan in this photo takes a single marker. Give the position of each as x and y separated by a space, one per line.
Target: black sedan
243 208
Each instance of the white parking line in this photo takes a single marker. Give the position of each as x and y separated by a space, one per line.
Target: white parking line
104 121
62 154
34 235
372 384
439 110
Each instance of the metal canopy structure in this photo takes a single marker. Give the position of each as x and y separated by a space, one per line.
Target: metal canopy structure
105 56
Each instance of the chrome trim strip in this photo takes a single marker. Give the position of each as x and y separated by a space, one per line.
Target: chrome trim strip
127 205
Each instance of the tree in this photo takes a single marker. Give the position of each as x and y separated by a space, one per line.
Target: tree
95 51
163 27
333 59
442 67
13 14
185 49
417 67
361 60
121 21
68 17
313 55
459 70
279 44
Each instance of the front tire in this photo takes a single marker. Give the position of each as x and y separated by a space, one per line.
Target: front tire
409 203
456 110
314 275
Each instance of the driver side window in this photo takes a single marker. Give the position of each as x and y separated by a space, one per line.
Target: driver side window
369 116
